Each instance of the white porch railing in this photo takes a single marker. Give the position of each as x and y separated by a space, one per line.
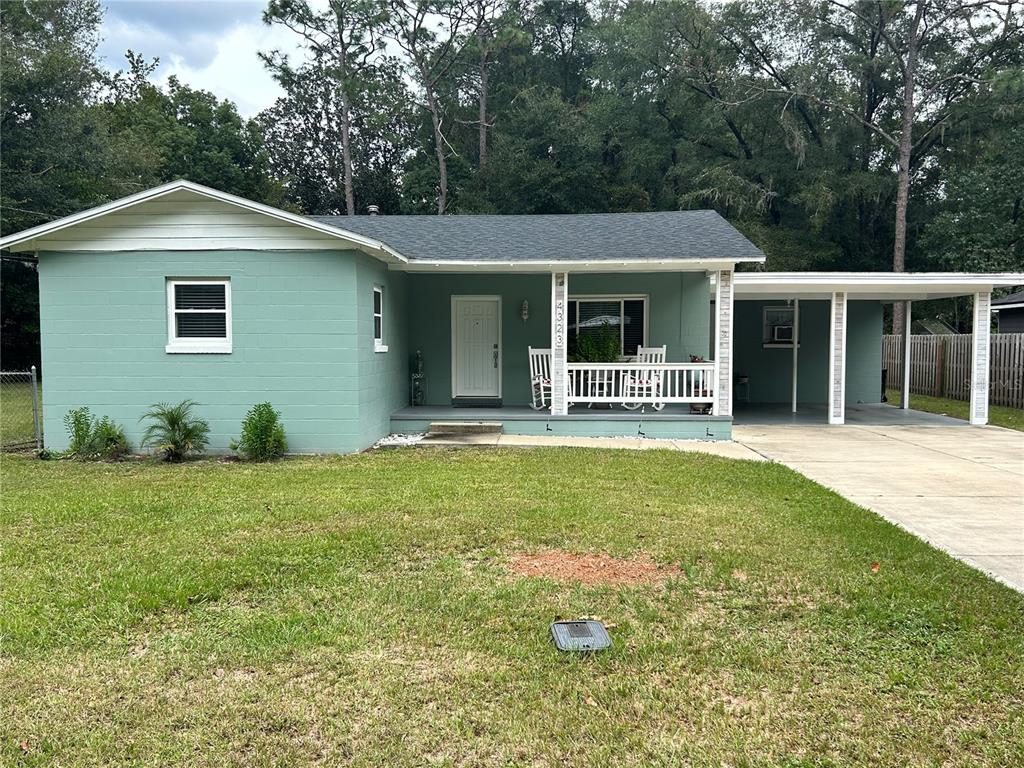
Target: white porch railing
638 383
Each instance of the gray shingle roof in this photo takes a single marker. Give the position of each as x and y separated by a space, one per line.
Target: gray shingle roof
664 236
1013 298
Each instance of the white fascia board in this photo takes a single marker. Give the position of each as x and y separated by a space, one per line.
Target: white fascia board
546 267
25 237
1018 305
883 286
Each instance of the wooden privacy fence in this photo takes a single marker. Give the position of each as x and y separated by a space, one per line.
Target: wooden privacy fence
940 366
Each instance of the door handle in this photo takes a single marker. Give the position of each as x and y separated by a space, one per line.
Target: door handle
495 357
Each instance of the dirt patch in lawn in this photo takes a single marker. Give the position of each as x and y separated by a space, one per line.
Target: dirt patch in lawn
589 568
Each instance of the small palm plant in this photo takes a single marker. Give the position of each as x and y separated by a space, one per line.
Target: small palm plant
174 431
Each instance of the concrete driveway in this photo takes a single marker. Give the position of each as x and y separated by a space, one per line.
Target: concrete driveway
960 488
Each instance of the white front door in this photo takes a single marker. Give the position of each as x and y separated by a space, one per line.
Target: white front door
476 346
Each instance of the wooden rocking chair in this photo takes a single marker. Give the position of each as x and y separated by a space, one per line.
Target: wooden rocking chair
540 378
645 384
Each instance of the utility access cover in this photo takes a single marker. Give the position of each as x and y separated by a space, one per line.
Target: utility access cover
580 636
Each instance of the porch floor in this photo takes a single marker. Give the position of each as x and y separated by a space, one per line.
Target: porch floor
863 414
524 413
673 423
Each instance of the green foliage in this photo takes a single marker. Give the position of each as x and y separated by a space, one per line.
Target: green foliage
597 345
55 158
19 320
979 225
92 438
174 432
262 436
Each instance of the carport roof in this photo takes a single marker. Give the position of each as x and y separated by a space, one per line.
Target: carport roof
879 286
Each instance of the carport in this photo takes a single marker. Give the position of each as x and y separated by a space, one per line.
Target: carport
808 345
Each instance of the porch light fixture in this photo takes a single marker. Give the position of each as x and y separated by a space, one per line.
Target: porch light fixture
524 312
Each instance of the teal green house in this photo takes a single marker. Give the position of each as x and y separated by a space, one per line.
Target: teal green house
357 327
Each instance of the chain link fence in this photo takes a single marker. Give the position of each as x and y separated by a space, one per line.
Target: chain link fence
21 426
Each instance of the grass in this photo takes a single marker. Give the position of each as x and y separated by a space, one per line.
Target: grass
16 424
998 415
355 611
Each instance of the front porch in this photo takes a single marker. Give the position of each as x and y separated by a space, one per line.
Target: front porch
672 422
470 336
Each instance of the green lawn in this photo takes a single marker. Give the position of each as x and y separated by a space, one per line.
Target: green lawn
998 415
16 424
356 611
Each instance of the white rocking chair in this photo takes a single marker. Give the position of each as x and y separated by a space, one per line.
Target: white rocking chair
645 384
540 378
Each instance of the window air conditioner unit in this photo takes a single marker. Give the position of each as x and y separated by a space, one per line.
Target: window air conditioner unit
782 333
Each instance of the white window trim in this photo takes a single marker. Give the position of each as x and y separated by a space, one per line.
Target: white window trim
378 341
200 346
621 298
766 340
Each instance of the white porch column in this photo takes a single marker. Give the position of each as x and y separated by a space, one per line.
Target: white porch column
723 343
559 343
980 357
905 391
837 360
796 348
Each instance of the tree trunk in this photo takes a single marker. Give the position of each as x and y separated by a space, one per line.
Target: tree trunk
346 116
442 164
899 249
483 105
346 153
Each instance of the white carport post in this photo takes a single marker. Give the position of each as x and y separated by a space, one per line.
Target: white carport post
559 343
905 390
724 291
796 347
980 358
837 360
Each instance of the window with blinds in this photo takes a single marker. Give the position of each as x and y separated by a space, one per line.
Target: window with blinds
199 315
627 315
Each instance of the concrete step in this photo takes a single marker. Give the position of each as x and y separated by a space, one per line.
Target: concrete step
464 428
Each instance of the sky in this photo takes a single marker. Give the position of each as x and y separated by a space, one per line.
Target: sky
208 44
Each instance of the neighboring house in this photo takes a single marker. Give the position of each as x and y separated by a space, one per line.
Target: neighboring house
1009 311
186 292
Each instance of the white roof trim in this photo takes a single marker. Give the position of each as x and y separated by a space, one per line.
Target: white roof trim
1015 305
876 285
376 247
598 265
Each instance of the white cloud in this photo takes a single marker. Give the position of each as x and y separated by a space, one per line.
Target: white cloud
235 71
211 46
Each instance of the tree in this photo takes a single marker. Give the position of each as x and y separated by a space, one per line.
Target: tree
942 56
19 323
185 133
429 34
979 226
342 44
55 151
485 17
302 138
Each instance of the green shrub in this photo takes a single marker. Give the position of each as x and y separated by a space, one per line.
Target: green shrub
174 431
92 438
262 434
597 345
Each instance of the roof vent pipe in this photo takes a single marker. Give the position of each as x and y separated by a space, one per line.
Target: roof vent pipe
373 210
